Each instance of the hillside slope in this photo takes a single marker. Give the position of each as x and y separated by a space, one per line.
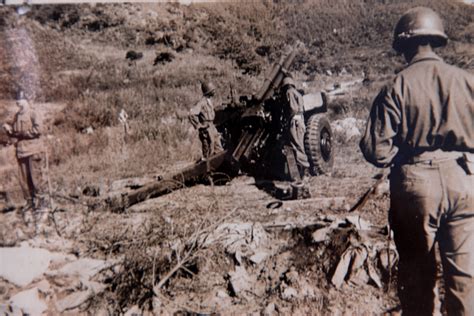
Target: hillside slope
174 254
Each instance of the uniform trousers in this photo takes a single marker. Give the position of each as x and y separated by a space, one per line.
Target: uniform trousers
432 202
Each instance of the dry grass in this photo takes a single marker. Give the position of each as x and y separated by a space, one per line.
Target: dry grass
81 50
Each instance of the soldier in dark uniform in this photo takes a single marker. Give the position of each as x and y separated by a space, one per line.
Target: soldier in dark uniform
422 126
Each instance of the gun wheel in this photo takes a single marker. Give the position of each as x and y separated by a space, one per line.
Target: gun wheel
318 144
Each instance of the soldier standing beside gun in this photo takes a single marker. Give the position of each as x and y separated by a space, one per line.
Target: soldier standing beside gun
29 148
297 126
422 127
202 118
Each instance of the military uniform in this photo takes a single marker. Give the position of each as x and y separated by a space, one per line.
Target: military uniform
29 152
422 126
202 118
297 128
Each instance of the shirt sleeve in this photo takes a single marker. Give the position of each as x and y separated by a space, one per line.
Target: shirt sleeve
36 127
377 144
194 115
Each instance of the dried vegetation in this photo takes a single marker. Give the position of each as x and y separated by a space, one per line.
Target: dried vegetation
163 262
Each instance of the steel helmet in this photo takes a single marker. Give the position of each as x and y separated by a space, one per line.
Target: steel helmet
288 81
20 95
207 88
417 23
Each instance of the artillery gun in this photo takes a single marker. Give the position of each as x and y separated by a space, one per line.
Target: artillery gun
254 130
254 135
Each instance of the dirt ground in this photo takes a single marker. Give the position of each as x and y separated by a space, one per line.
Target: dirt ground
203 249
236 251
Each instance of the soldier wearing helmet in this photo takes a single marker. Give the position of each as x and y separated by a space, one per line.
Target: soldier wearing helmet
297 126
202 118
27 130
421 126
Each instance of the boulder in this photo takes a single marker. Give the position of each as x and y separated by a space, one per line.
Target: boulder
73 300
21 265
289 294
240 281
83 269
29 301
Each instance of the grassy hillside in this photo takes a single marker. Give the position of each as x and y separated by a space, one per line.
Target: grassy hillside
71 59
75 54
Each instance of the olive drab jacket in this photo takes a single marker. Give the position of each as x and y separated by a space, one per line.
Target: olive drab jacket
202 114
428 106
27 129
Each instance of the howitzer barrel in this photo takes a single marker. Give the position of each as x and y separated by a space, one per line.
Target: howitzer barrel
168 183
275 77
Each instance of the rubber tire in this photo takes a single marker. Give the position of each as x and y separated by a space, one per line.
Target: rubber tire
320 155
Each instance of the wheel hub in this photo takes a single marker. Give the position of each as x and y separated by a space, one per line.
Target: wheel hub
325 144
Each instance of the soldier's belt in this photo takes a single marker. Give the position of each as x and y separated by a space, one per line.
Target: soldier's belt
434 157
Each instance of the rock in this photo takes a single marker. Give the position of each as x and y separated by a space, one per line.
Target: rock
240 281
292 276
222 294
32 262
306 290
44 287
89 130
10 310
157 306
270 310
359 257
360 277
259 236
94 287
259 257
238 257
29 301
374 276
73 300
342 269
321 234
289 294
83 269
134 311
358 222
348 128
217 300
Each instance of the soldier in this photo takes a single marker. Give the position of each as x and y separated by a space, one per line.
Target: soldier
297 126
202 118
421 125
29 149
